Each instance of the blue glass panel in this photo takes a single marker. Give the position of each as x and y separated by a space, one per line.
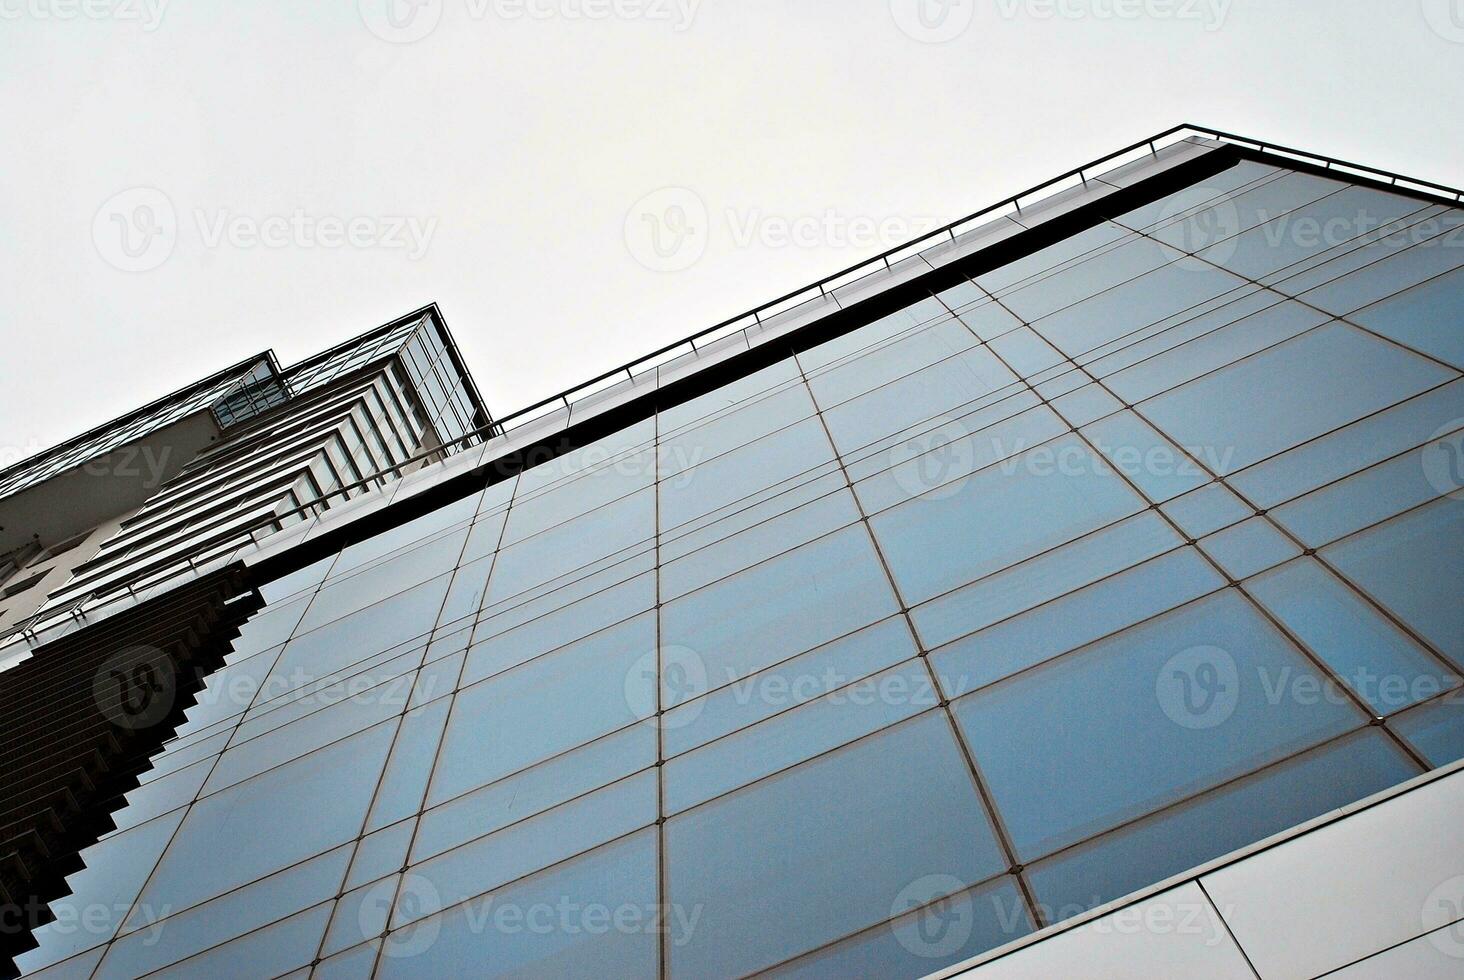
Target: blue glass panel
943 387
806 823
320 726
951 451
404 783
542 708
1077 282
989 320
574 545
1411 564
1243 174
999 516
115 870
1218 822
798 734
1025 352
271 822
950 930
354 638
518 634
889 362
269 952
883 329
1394 273
791 683
1067 623
550 924
1144 719
1045 577
1249 548
728 430
1213 350
1371 655
1310 385
1436 730
1086 404
385 542
535 790
716 559
1126 308
735 475
1153 463
1207 510
531 844
1372 496
1052 256
1427 318
772 611
381 853
1307 231
1363 443
184 934
1244 209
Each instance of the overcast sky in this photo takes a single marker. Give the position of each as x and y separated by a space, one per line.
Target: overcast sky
187 183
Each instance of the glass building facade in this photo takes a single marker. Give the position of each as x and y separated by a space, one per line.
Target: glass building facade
1068 575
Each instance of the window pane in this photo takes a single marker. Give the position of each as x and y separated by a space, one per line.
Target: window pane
543 707
1371 655
1219 822
1000 515
1309 385
807 823
782 607
1411 564
524 930
1099 738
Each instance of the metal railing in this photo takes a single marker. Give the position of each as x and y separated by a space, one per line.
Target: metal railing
755 317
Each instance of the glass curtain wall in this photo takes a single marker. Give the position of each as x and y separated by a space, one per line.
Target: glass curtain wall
1046 588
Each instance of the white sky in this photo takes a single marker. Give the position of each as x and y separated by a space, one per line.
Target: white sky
521 145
